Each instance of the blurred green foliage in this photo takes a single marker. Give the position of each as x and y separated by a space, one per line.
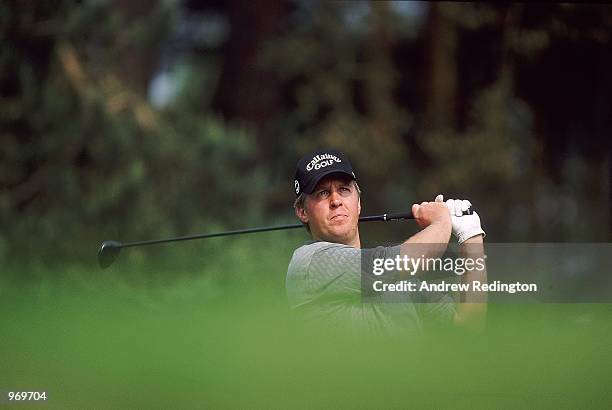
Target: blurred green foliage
505 104
85 157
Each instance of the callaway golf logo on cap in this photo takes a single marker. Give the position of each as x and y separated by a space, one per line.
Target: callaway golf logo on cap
313 167
321 161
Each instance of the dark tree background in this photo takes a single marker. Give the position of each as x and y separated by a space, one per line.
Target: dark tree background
143 119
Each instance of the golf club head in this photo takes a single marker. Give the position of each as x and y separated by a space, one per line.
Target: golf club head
108 253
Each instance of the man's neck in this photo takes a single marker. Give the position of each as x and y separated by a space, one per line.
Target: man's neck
355 242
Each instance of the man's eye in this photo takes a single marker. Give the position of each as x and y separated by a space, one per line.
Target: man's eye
345 190
323 193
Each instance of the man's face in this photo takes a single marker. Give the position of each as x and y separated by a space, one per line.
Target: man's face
332 210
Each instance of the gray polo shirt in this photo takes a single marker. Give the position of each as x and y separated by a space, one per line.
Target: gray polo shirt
324 283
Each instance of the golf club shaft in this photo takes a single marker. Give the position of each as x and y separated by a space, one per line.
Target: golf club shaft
383 217
110 249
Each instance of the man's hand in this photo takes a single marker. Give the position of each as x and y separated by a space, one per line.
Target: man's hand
464 226
428 213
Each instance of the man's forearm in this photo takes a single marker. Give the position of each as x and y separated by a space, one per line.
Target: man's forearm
430 242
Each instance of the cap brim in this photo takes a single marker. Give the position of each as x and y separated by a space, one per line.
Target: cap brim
313 184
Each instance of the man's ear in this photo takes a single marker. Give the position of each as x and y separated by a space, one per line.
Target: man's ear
359 205
301 214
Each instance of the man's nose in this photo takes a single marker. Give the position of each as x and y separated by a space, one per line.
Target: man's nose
335 200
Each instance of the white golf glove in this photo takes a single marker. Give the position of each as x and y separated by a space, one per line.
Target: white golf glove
465 226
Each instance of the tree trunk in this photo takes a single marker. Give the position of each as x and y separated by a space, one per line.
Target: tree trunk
137 64
247 92
441 76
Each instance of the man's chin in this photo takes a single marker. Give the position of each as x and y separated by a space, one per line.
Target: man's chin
339 236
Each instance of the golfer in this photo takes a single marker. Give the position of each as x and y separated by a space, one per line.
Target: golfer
324 275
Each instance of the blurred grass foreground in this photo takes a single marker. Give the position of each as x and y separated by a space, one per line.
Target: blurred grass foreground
200 329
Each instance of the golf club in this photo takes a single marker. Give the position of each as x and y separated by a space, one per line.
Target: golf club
110 249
